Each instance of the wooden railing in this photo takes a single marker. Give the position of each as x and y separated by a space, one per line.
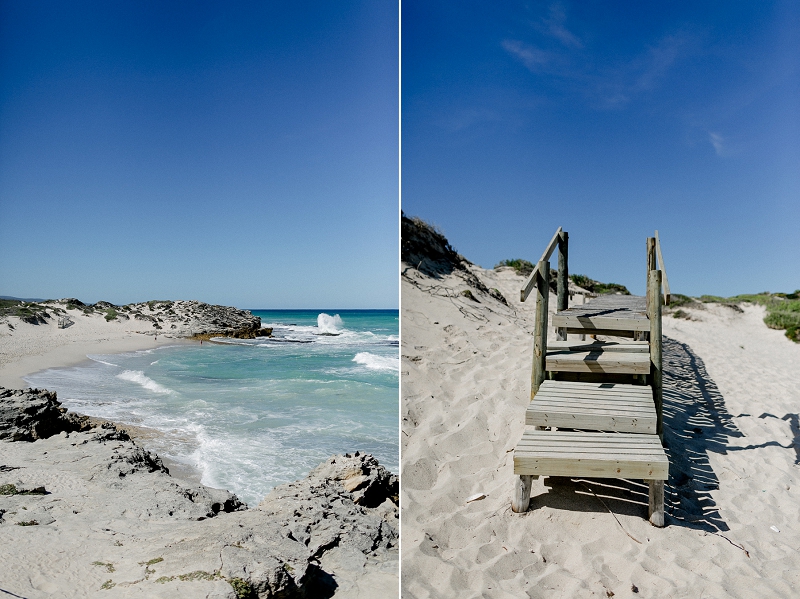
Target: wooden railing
653 252
540 279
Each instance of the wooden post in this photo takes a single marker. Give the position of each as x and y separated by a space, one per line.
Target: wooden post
654 313
656 507
540 330
522 493
562 303
651 263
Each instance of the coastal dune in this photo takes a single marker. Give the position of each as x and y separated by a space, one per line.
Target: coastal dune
731 434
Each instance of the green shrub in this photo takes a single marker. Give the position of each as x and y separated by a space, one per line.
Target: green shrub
523 267
111 314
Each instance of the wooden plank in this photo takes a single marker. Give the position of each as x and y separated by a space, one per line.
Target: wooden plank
616 388
529 285
618 422
596 404
604 332
590 324
606 346
597 467
587 408
582 437
591 441
644 393
615 362
662 269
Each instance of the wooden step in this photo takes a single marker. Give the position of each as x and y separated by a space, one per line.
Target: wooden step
599 361
607 346
606 313
593 406
596 455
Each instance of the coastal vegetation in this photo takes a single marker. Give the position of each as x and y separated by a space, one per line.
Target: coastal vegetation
783 309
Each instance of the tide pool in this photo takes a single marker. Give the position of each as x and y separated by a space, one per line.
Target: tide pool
252 414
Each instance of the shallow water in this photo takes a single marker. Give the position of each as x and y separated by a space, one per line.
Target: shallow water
252 414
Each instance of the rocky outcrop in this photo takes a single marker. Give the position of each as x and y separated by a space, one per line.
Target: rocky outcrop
116 519
196 319
30 414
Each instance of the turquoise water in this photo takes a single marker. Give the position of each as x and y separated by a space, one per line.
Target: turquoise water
252 414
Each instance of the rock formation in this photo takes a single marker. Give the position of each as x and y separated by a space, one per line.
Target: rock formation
104 509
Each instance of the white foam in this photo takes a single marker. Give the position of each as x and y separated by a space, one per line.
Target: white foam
329 324
139 377
95 359
374 362
156 362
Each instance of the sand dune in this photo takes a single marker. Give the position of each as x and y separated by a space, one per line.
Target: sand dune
732 436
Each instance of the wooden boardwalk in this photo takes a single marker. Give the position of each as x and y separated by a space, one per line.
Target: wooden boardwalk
595 407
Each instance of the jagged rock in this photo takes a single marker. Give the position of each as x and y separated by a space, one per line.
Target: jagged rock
113 506
30 414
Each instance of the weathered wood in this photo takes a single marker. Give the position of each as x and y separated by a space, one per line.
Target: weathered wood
654 310
601 455
606 332
562 287
540 330
663 270
522 493
651 263
593 324
656 504
529 285
606 346
598 361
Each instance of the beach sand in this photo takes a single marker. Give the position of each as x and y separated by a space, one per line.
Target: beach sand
27 348
731 432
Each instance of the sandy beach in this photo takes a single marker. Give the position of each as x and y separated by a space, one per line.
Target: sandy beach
31 348
731 434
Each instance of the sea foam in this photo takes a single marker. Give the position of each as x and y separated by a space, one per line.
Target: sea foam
374 362
329 324
139 377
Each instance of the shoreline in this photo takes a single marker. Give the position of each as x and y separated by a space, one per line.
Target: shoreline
12 374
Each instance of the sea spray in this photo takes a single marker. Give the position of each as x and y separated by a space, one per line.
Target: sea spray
329 324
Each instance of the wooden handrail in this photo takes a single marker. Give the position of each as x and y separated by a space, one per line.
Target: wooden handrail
526 290
665 282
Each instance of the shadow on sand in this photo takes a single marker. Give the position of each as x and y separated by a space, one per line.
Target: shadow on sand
696 423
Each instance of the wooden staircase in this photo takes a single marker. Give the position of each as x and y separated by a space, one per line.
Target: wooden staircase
595 406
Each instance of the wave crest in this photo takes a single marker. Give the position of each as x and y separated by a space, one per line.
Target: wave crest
139 377
374 362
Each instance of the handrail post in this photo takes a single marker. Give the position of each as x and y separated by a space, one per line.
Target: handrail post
651 263
654 313
540 330
562 302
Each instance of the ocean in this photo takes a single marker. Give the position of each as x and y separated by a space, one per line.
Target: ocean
250 414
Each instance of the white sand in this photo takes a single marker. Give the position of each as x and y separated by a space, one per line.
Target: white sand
731 402
27 348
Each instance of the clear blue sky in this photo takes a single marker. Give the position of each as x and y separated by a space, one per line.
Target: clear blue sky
230 152
610 119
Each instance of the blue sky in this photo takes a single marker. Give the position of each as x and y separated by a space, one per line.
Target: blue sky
611 120
238 153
